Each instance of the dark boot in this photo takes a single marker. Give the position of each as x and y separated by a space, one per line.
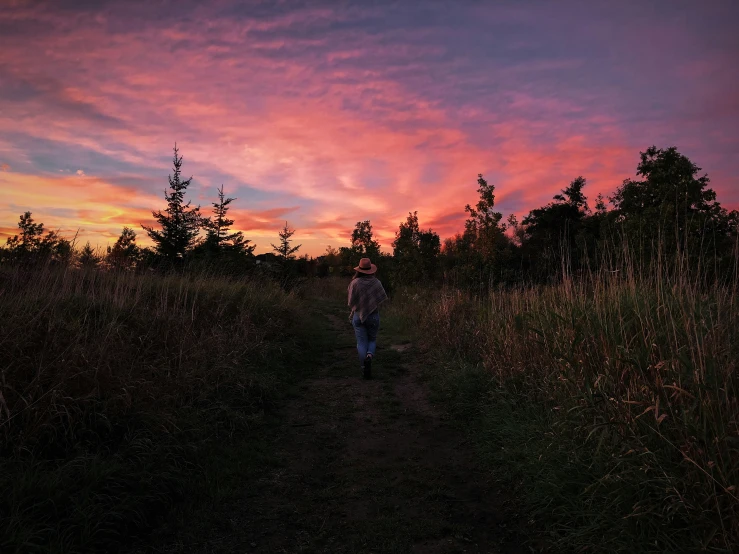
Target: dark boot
368 367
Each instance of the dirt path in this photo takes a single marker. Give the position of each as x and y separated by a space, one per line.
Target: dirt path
366 467
369 466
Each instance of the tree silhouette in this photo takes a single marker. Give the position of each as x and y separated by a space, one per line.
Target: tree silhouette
407 237
30 237
32 245
125 253
551 233
415 251
363 242
482 228
219 236
88 257
285 251
482 253
671 209
180 224
331 255
429 248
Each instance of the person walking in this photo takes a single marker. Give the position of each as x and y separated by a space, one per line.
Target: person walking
365 296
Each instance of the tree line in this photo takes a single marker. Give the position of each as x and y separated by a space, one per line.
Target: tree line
667 217
181 234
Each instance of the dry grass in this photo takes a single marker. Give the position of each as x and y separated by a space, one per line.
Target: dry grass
637 381
111 386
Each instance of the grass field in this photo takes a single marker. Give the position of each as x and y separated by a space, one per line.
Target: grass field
119 392
609 404
355 466
197 414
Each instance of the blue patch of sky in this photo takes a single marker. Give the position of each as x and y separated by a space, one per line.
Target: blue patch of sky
46 156
248 195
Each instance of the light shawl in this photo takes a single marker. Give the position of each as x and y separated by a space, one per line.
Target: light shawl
365 296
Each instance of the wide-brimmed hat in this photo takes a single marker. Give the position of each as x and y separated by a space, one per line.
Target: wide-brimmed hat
365 266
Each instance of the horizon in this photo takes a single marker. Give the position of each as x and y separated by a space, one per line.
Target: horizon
326 115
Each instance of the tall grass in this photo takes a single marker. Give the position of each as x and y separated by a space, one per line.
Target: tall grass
632 384
112 385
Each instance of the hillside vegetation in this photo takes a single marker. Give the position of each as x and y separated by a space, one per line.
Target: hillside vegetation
116 391
610 403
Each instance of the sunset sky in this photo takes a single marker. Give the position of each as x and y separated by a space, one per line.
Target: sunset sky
326 113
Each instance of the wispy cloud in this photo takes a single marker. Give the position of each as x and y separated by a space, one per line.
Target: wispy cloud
332 113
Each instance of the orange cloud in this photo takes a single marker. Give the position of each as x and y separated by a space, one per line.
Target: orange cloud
89 206
335 124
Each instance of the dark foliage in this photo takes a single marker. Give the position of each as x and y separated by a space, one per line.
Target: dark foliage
416 252
179 223
364 244
31 246
124 254
285 250
667 216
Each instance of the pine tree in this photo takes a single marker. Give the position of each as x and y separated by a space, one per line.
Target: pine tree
284 250
219 236
180 224
88 256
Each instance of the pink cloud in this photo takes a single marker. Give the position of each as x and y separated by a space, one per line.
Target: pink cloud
316 120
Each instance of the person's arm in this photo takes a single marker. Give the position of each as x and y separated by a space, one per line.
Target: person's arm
350 299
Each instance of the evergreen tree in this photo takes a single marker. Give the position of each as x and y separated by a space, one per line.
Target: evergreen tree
285 251
88 257
180 224
55 248
219 237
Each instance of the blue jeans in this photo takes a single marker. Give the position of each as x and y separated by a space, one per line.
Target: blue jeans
366 334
